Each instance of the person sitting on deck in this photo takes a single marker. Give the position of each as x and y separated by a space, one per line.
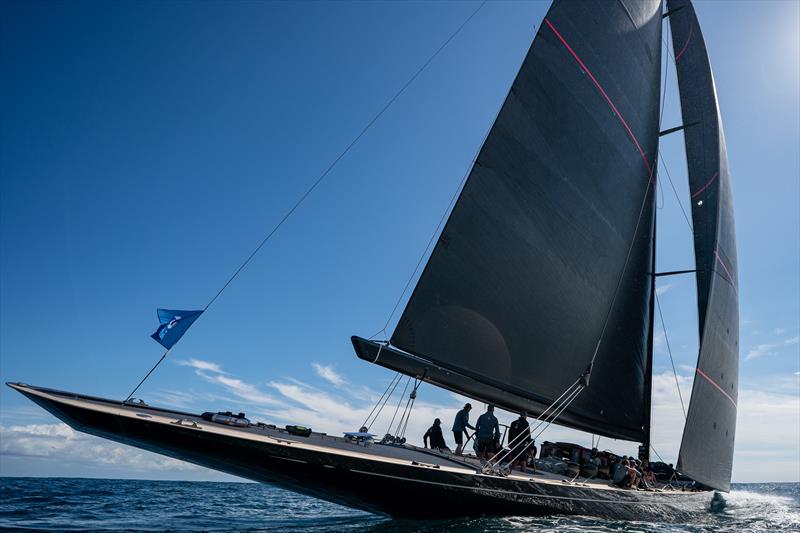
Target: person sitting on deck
649 477
487 429
435 434
519 440
630 480
636 475
620 473
460 426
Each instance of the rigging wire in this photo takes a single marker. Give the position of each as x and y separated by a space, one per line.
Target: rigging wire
399 434
661 120
324 174
665 40
671 360
657 454
675 192
569 393
443 218
396 377
549 420
389 429
347 149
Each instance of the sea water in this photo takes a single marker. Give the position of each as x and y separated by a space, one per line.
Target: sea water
60 504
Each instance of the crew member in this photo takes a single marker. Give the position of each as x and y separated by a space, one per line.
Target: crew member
519 440
460 426
487 430
435 434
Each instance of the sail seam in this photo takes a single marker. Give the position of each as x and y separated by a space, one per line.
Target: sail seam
686 44
605 95
706 186
728 272
714 383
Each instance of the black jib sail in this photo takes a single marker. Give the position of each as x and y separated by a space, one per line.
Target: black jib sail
545 260
707 447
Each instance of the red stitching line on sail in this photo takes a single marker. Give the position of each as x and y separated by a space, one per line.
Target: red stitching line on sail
728 272
728 396
704 187
605 95
686 44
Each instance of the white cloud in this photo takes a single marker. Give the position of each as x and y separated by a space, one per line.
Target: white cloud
779 331
770 348
245 391
62 443
329 374
172 398
768 425
761 350
198 364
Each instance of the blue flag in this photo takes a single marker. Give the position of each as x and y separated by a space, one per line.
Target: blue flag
173 325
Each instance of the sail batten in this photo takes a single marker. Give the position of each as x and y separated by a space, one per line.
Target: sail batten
706 452
547 251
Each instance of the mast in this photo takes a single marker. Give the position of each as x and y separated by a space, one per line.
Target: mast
644 453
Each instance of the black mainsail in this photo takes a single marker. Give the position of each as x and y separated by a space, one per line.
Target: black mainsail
545 262
706 452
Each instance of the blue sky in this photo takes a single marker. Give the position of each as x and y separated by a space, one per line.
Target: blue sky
146 148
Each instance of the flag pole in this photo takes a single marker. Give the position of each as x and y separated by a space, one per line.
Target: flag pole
147 376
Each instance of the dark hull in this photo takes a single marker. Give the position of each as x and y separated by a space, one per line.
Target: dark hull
399 482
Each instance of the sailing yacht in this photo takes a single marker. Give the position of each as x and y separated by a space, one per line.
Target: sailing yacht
538 296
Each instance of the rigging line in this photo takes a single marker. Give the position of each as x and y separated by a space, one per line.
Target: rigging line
552 416
671 360
675 192
389 429
346 150
567 402
411 397
386 401
622 273
664 93
447 211
147 376
328 170
553 406
380 400
539 421
575 395
411 408
657 454
430 241
661 118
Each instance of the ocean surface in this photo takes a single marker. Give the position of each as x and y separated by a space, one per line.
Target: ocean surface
61 504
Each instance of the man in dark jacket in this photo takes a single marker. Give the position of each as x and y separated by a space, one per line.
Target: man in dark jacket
460 427
519 440
487 430
435 434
